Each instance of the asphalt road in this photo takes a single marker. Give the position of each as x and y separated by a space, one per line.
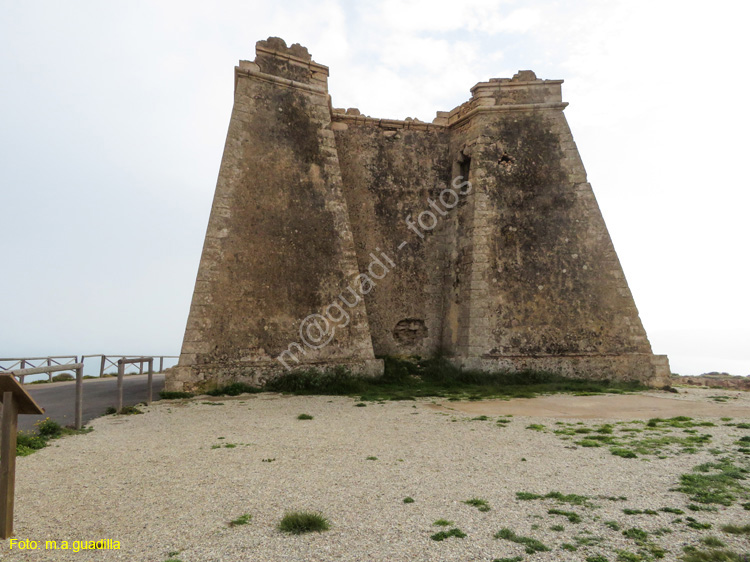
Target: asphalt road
58 398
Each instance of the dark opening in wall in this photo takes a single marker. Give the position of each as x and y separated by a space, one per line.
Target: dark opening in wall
464 167
409 331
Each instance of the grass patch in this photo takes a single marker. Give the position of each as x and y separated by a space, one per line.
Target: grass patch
692 554
479 503
625 556
442 535
614 525
557 528
713 542
736 529
532 545
573 499
414 378
694 524
717 482
588 541
628 441
536 427
443 523
299 522
28 442
622 452
371 458
636 534
572 516
305 417
233 389
514 559
129 411
174 394
241 520
596 558
408 499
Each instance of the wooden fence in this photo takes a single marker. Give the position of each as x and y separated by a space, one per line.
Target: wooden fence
22 363
22 367
78 367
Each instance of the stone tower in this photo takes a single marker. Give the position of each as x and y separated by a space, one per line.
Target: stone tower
335 238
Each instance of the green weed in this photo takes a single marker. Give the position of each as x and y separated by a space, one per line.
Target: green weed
174 394
713 542
717 482
571 515
736 529
479 503
299 522
241 520
532 545
442 535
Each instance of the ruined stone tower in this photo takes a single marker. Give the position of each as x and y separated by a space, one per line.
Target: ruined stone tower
335 238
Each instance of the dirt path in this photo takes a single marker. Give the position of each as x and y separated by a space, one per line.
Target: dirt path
616 407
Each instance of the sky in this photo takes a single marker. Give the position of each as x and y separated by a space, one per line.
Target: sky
113 117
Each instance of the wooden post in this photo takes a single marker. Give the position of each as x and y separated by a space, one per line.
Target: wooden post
49 364
161 364
120 374
150 380
8 433
23 366
15 401
101 370
79 397
140 368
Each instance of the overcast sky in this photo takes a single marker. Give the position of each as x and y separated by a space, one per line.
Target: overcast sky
113 117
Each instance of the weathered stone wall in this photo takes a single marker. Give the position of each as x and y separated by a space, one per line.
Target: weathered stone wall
316 206
390 170
278 247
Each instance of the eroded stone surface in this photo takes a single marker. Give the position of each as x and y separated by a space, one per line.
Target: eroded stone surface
476 235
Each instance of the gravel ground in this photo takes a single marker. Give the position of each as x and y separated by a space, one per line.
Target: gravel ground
155 483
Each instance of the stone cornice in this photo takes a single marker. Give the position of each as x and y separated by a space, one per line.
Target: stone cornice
258 75
461 118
